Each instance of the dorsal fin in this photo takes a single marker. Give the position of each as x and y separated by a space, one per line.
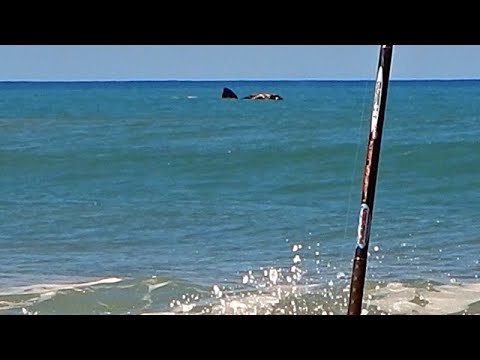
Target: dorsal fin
228 94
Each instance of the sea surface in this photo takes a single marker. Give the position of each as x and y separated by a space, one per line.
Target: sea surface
163 198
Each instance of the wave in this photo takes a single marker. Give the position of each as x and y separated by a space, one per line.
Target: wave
392 299
267 292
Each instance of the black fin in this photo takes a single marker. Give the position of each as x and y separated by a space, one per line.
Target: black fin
228 94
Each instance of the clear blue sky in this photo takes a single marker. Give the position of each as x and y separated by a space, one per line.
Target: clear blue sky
230 62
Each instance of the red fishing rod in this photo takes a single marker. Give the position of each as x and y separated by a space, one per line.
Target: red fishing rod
370 181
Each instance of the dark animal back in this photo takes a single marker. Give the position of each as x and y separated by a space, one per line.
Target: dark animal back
228 94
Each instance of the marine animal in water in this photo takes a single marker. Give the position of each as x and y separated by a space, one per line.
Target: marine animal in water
229 94
264 96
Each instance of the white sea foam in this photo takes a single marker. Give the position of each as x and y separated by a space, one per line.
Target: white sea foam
393 299
38 289
42 292
157 286
397 298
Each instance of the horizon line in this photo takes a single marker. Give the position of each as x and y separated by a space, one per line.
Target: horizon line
223 80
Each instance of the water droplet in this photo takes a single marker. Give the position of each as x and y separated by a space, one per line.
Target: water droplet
330 283
245 279
317 253
404 244
295 248
376 248
273 275
216 291
297 259
453 280
341 275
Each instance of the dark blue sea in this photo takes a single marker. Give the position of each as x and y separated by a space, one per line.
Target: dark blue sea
161 197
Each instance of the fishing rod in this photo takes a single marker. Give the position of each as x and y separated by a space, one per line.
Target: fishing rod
370 181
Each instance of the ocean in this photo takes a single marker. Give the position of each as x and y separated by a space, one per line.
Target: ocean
163 198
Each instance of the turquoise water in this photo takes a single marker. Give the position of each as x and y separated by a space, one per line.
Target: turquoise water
175 192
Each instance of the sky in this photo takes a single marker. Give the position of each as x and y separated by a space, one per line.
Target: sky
233 62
